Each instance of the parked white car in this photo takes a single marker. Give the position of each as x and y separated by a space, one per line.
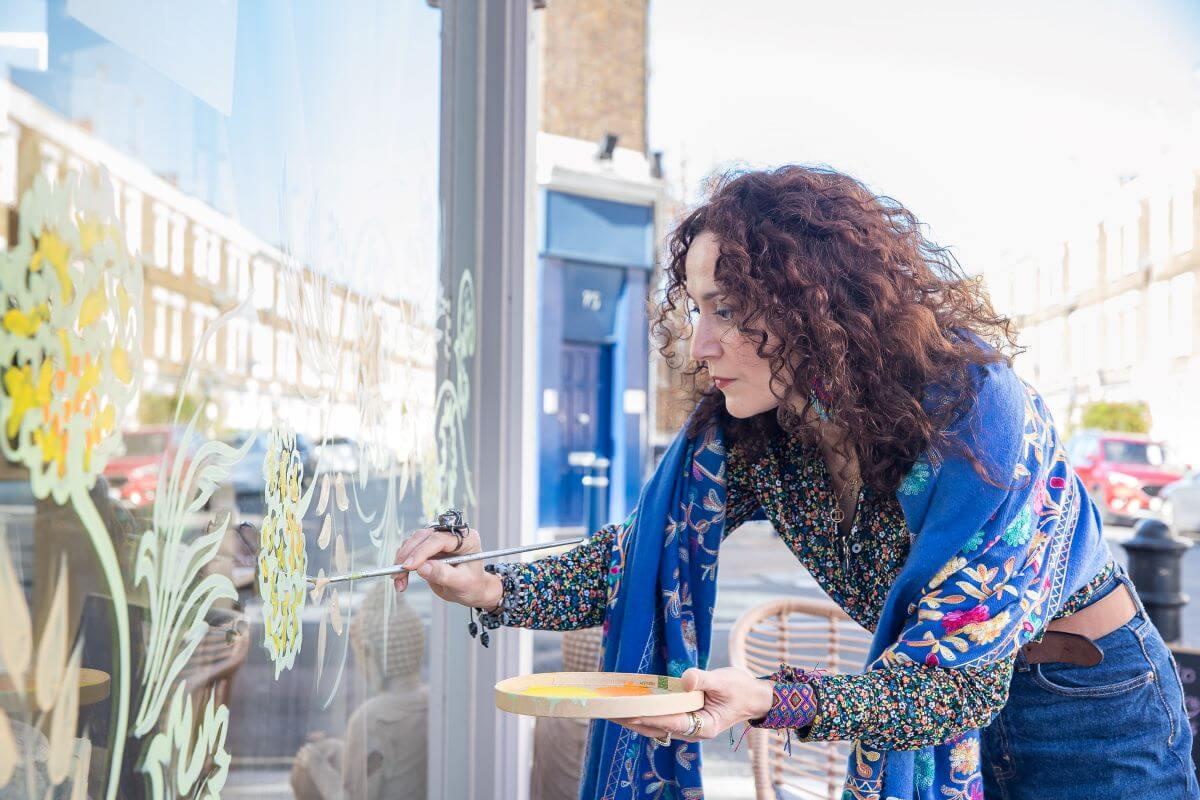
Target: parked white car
1181 504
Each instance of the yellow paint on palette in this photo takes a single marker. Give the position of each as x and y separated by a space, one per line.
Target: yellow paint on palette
570 692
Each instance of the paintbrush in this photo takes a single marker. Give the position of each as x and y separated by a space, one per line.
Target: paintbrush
396 569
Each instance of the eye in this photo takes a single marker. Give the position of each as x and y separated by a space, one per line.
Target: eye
725 314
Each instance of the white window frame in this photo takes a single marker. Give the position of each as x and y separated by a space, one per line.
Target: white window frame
1083 256
212 269
1158 319
178 257
232 333
51 161
236 261
1183 217
1159 225
264 284
1181 327
162 235
200 244
285 357
488 85
1129 246
1121 321
132 218
203 316
263 351
159 299
176 303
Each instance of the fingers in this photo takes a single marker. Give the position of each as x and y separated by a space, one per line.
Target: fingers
400 580
695 679
645 731
405 548
411 543
444 576
404 554
675 724
433 545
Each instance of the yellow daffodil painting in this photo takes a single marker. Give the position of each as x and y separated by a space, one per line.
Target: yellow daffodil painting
70 359
69 347
282 559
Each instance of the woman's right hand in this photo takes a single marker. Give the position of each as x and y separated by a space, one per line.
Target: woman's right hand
466 584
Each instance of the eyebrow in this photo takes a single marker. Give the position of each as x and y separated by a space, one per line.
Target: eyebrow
707 295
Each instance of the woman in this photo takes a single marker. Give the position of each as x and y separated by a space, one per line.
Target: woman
854 387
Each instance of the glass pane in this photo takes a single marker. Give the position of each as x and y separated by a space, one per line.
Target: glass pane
221 340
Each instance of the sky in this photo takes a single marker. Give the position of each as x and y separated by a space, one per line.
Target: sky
1001 125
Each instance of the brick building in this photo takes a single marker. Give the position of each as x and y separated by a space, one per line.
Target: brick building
602 211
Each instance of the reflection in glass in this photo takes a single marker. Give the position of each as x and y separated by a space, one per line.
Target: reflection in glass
218 377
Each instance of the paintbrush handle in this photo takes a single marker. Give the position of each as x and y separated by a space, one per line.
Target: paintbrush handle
396 569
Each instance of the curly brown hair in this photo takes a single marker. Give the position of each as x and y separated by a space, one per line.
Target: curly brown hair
861 304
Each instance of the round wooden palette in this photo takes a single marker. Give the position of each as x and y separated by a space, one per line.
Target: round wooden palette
595 695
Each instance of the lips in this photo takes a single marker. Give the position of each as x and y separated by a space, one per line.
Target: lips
721 383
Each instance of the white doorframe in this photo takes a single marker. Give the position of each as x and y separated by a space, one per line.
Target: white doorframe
486 180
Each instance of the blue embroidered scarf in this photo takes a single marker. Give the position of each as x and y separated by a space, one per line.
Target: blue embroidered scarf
663 587
988 567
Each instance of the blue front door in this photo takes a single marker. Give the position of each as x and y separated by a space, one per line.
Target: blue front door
583 419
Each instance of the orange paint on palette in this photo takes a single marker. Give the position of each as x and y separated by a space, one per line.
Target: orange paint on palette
568 691
624 690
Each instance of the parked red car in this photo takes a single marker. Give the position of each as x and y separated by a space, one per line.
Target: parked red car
1123 472
133 477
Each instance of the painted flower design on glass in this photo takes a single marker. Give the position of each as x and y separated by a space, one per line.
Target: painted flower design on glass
282 559
69 338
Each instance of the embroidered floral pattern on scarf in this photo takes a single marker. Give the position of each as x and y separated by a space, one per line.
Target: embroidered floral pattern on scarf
1004 581
661 586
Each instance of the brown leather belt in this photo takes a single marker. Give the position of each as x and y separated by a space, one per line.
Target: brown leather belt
1071 639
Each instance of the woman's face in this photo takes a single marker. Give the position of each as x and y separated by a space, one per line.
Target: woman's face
731 358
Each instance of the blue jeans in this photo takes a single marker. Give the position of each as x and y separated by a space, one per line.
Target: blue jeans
1117 729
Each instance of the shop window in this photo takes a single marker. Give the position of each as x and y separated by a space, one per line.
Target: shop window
174 533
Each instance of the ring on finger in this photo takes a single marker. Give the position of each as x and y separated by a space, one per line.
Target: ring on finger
665 739
697 724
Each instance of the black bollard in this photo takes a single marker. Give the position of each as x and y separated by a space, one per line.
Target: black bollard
1156 569
595 492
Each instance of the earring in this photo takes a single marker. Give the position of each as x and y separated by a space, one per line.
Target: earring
819 409
818 399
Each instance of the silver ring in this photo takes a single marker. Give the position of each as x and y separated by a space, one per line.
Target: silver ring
461 536
697 724
665 740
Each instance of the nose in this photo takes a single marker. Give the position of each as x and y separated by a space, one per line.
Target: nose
706 345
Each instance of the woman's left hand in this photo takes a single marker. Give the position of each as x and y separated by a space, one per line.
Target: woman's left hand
731 695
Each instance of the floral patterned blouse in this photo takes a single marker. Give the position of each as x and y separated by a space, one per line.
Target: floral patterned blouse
903 707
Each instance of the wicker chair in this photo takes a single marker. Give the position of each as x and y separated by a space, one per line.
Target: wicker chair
810 633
